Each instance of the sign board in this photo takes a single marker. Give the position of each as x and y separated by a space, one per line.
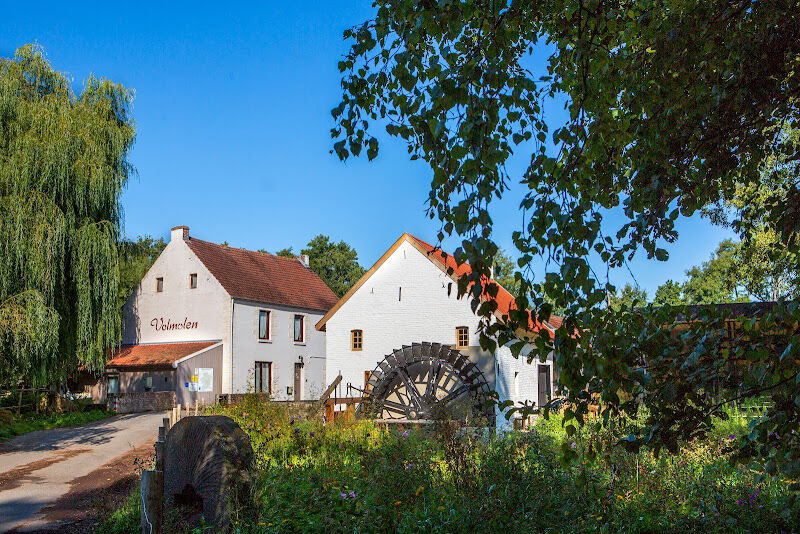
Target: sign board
205 379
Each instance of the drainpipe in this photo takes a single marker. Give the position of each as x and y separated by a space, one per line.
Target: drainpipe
230 395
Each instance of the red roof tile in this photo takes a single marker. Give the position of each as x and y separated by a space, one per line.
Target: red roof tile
262 277
505 301
161 354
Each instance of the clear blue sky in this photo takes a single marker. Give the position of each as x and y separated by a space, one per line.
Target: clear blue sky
233 117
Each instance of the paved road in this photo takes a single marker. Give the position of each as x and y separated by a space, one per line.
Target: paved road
37 468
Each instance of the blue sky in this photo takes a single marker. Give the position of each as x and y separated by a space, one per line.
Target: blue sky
233 117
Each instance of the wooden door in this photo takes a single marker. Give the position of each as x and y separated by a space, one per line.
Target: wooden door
298 381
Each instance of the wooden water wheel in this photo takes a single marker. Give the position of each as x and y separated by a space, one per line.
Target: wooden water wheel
427 381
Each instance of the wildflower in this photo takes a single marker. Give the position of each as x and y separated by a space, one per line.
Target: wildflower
352 494
367 434
311 433
535 431
244 414
291 422
440 508
572 444
398 503
343 495
419 491
296 430
732 436
405 434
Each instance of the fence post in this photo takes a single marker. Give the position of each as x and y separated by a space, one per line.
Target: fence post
151 503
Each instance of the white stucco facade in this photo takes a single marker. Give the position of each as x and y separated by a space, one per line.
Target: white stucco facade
180 313
409 299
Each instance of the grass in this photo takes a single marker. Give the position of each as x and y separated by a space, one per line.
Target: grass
12 425
357 477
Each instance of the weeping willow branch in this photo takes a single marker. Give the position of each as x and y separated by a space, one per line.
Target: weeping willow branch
63 166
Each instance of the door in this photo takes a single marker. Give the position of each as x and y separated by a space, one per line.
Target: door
298 381
544 385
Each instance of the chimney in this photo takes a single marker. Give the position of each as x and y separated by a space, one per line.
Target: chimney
179 232
303 259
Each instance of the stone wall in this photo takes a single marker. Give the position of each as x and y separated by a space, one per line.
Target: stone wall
149 401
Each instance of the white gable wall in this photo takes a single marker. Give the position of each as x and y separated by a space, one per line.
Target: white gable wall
391 317
206 308
423 311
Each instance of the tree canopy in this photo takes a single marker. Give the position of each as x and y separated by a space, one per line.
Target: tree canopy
63 165
336 263
674 107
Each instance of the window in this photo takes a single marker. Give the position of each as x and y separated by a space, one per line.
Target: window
263 325
462 337
193 280
356 339
299 328
159 284
148 383
263 378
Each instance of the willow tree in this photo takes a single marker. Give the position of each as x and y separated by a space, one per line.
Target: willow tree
63 165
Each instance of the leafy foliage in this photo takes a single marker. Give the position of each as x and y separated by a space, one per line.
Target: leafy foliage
136 258
359 477
673 107
336 263
63 165
629 297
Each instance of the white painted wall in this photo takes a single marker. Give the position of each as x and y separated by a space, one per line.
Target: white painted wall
424 312
527 379
208 305
281 349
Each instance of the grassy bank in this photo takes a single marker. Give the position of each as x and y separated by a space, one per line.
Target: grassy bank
12 425
360 478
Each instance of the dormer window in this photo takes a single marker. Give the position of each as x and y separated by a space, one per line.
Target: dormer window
193 281
159 284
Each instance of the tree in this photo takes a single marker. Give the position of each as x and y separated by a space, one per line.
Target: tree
336 263
63 166
672 107
630 297
717 280
504 272
136 257
669 293
286 252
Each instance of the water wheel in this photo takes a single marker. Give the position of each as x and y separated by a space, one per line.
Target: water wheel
427 381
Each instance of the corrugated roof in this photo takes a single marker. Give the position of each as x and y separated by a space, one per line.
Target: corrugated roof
262 277
157 354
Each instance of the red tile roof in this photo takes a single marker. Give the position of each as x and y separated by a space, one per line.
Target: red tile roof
262 277
161 354
505 301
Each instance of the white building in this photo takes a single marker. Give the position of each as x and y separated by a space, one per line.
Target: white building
255 310
408 297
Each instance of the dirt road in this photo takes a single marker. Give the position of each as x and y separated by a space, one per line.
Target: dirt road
53 478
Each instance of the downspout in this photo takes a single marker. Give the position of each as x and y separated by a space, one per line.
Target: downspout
230 396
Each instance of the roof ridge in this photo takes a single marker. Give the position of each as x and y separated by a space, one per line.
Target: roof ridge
229 247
